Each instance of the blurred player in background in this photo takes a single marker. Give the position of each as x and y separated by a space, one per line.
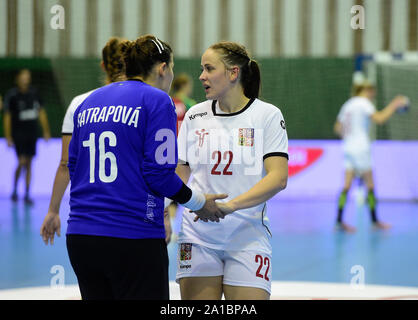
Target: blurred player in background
181 90
352 126
112 66
122 160
233 126
22 111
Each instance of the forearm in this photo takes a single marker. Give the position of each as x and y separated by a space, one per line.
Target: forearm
43 119
338 129
265 189
184 172
384 115
7 126
61 181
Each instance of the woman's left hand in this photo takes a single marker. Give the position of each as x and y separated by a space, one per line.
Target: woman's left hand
225 207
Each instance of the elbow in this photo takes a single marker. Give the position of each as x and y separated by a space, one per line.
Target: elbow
282 184
63 166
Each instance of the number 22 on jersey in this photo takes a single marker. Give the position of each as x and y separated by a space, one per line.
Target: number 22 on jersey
103 155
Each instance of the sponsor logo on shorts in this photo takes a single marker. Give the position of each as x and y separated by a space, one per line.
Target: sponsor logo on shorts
187 266
246 137
185 252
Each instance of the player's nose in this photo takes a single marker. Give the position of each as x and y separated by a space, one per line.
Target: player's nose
202 77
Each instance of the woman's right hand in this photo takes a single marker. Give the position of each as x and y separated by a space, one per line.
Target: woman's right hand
50 226
210 211
399 101
9 142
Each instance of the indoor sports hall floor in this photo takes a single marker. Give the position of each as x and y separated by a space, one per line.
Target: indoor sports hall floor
310 259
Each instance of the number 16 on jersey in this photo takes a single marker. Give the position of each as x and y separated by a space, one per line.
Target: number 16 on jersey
103 155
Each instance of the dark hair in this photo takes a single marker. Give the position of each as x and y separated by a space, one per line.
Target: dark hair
112 59
232 54
180 81
140 56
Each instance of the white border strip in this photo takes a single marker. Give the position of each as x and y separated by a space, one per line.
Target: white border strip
280 291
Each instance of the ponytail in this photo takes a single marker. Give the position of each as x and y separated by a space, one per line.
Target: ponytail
251 80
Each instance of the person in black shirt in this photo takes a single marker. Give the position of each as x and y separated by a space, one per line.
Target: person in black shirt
22 111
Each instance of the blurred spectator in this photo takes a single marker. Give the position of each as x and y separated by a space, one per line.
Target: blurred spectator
182 88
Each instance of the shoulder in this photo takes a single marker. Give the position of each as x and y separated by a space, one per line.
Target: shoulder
199 110
77 100
11 93
201 107
150 95
266 110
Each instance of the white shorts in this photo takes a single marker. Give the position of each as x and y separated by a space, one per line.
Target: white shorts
360 162
238 268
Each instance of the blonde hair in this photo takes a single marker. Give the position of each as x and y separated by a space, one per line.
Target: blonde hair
358 88
112 59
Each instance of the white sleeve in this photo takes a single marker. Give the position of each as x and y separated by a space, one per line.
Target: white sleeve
182 141
369 108
68 123
340 116
275 137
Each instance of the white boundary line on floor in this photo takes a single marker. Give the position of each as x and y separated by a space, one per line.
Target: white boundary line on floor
280 291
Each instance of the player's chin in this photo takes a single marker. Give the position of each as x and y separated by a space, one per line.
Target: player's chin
210 96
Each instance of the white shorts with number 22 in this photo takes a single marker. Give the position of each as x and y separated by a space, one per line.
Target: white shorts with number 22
238 268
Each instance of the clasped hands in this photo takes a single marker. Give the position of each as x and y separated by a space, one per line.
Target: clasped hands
212 210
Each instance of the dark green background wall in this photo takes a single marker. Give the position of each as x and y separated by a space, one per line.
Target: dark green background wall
309 91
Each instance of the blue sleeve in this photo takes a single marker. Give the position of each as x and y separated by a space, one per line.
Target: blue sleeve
160 151
73 147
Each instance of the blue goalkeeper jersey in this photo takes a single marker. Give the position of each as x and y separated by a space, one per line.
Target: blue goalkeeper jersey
122 160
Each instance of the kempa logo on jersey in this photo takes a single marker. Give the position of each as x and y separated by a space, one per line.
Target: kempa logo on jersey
198 115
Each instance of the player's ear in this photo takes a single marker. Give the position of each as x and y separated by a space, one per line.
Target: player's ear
102 66
162 68
234 73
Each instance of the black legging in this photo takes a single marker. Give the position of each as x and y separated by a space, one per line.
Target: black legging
115 268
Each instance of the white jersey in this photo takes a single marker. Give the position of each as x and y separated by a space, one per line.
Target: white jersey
225 153
68 124
355 119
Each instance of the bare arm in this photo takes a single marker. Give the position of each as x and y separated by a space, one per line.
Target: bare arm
184 172
51 223
8 128
338 128
43 119
380 117
274 181
62 177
